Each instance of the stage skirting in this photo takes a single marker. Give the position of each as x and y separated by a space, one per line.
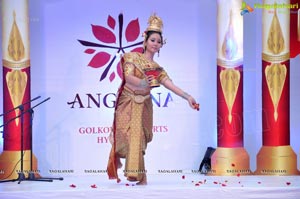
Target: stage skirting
175 186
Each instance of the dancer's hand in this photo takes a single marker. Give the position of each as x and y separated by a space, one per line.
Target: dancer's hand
193 104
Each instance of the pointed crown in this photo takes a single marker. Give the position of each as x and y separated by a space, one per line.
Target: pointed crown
155 24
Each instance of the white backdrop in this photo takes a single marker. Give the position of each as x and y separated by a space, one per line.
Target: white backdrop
59 70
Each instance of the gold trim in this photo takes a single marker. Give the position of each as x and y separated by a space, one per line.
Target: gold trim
230 162
10 164
230 80
16 81
15 48
275 39
277 58
298 25
16 65
229 63
275 76
276 161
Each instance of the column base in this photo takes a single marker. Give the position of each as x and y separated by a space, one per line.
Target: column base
230 162
10 165
276 161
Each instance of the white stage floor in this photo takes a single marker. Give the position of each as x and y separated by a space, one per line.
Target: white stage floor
173 186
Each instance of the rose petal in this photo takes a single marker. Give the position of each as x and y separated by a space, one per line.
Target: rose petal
183 177
94 186
111 22
288 183
197 184
132 30
72 185
89 51
233 165
119 70
112 76
138 49
224 185
238 175
103 34
99 60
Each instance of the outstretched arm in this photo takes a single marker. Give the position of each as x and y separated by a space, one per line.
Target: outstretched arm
178 91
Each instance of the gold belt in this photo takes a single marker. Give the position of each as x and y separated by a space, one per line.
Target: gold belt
138 98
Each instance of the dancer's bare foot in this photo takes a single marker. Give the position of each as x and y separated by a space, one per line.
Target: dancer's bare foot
143 181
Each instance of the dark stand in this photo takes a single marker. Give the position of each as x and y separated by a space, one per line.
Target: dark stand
21 175
205 165
31 176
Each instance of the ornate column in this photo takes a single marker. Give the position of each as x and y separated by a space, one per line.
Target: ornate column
276 157
230 157
16 87
295 28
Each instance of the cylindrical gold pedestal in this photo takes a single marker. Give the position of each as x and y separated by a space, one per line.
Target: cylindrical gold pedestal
10 164
230 162
276 160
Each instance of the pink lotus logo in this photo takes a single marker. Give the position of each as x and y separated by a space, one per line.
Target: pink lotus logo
108 40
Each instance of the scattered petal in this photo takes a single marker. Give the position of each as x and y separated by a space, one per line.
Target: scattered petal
215 182
111 22
259 182
103 34
126 184
238 175
99 60
183 177
288 183
118 180
89 51
94 186
197 184
204 180
224 185
233 165
132 30
73 185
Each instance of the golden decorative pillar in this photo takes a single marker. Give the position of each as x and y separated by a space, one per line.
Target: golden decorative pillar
230 157
276 157
16 88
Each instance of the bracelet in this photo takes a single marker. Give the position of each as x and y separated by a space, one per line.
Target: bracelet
143 83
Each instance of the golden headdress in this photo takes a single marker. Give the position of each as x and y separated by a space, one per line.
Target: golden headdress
155 24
